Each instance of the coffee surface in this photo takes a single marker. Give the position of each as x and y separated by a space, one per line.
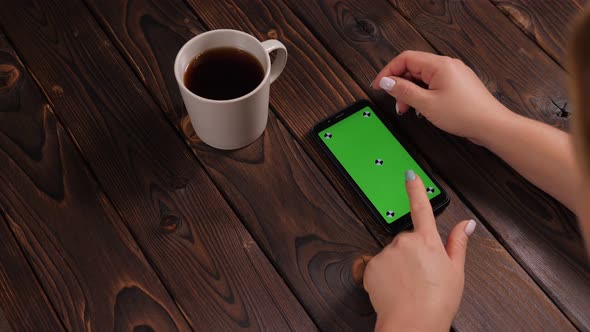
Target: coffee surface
223 73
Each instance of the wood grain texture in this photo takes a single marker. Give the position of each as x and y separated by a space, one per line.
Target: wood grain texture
301 222
293 212
514 68
215 272
23 303
548 23
521 83
71 235
4 325
22 299
486 296
539 232
300 81
313 86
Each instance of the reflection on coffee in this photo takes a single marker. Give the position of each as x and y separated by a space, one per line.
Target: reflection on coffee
223 73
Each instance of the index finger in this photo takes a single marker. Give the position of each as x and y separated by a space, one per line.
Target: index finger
418 64
420 208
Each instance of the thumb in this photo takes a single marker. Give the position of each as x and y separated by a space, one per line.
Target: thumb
405 91
457 240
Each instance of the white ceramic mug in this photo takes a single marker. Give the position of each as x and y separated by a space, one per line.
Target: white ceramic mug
233 123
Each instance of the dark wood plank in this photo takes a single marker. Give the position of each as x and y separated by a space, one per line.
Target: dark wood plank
23 303
4 325
513 67
216 273
293 212
301 222
70 234
134 42
292 104
548 23
364 38
531 84
321 90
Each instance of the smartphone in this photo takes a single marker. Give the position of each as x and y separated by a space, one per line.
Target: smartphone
371 157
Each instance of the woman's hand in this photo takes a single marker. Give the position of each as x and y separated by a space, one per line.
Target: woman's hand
415 283
456 100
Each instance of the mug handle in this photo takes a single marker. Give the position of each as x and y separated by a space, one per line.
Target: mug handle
277 66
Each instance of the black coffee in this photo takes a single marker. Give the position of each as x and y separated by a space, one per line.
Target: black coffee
223 73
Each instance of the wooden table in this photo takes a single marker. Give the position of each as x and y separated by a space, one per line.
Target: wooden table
114 216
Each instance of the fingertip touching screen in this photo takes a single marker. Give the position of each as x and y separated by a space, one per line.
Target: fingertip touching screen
376 162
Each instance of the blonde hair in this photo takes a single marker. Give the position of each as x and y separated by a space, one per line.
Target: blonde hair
579 70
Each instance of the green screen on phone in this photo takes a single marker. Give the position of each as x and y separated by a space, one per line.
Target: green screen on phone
376 161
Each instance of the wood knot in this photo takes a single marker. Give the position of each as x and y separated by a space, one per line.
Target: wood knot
178 182
562 111
359 29
169 223
143 328
9 75
365 27
57 89
187 130
248 244
521 17
272 33
358 269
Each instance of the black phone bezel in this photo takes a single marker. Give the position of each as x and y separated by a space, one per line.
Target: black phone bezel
438 203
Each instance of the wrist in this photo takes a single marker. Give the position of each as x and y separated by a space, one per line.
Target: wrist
410 323
496 124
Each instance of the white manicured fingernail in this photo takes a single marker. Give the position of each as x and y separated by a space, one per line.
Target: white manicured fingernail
470 228
386 83
410 175
397 109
